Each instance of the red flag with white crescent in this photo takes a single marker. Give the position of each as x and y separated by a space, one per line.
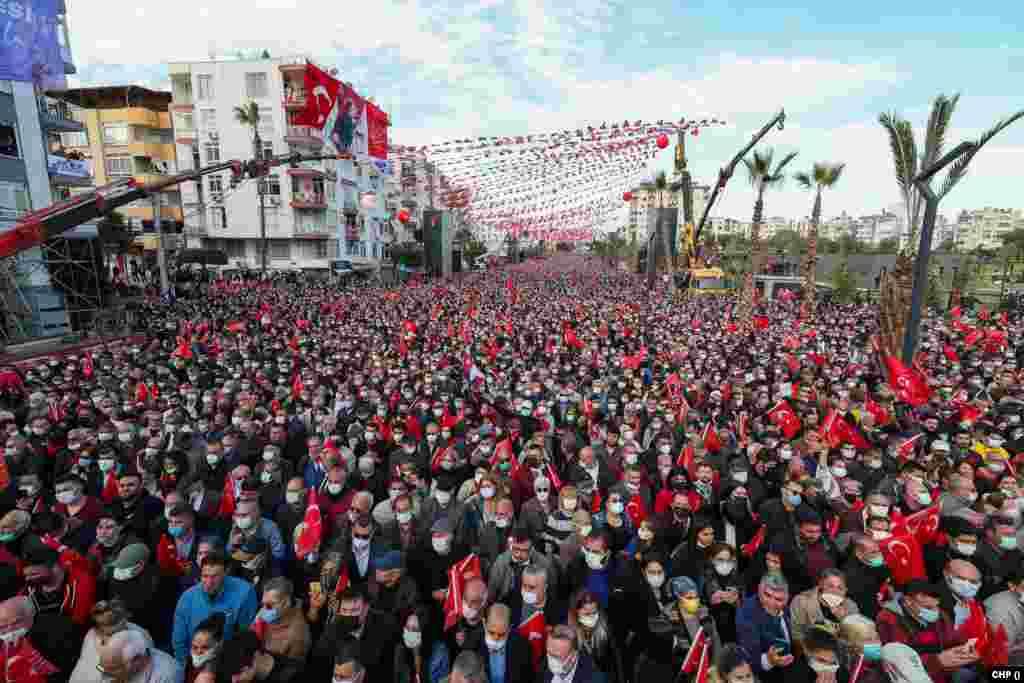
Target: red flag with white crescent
312 529
693 655
903 556
457 577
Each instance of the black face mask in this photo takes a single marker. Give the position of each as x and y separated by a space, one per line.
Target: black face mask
347 624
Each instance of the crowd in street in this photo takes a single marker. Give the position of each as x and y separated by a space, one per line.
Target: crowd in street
542 473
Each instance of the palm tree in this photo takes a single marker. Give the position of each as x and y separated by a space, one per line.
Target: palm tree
249 115
897 286
661 186
762 176
822 176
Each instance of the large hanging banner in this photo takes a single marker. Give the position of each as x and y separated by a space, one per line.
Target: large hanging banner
30 49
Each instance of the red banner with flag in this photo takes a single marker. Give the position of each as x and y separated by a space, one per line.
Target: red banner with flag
321 93
923 525
457 577
908 384
377 131
903 556
785 418
312 529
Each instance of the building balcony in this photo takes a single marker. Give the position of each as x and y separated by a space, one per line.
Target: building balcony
313 232
55 115
302 172
153 150
185 136
308 201
67 172
185 104
304 136
293 65
294 101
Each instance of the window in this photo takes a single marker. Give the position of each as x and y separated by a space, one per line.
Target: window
184 122
212 153
75 139
217 221
280 249
116 134
266 119
209 118
271 186
234 248
256 85
268 149
216 184
13 199
320 249
8 140
119 166
205 87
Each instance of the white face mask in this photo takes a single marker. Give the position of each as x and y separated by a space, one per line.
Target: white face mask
441 545
487 492
495 645
724 567
123 574
443 497
404 517
656 581
412 639
14 636
588 620
293 497
202 660
542 496
529 597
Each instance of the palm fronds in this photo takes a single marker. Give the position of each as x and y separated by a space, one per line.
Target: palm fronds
958 170
938 125
804 180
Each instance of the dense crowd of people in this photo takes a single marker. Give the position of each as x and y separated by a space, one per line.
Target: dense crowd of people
542 473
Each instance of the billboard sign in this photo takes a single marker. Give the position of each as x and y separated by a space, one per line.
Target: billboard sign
30 49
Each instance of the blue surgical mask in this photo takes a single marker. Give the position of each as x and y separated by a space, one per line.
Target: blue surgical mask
964 589
794 500
269 615
872 651
928 616
1008 542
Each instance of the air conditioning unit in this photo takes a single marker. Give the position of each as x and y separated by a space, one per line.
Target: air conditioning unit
273 201
214 136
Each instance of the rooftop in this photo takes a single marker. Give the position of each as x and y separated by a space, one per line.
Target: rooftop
114 97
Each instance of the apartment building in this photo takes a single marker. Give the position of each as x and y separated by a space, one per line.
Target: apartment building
985 228
126 134
301 213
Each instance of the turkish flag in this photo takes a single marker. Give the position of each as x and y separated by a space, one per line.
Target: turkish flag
457 577
711 441
837 431
321 93
761 322
950 354
783 416
877 411
908 384
903 556
377 131
312 529
924 525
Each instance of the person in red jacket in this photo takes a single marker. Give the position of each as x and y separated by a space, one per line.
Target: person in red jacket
915 619
57 587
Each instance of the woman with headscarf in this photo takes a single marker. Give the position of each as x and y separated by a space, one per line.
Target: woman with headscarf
596 637
672 634
861 649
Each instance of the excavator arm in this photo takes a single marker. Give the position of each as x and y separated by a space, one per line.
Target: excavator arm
38 226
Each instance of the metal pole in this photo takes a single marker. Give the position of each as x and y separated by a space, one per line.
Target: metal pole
161 250
263 228
1002 288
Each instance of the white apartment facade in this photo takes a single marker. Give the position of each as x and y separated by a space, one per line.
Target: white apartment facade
301 212
986 227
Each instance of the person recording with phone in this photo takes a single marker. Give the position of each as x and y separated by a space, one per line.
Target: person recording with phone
763 629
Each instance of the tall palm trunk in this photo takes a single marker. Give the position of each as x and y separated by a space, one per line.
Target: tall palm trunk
810 262
746 311
895 291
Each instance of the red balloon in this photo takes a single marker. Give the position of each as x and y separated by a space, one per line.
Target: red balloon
626 196
403 216
662 141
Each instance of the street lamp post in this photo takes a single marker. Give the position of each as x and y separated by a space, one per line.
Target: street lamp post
931 211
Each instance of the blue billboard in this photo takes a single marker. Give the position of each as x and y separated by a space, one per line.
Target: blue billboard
30 49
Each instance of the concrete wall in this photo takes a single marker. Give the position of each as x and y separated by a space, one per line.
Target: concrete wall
866 267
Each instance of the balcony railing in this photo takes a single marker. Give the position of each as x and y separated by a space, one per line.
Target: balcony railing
315 230
303 135
294 99
308 201
57 116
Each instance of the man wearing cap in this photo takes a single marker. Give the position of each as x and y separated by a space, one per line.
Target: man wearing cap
136 583
915 619
391 590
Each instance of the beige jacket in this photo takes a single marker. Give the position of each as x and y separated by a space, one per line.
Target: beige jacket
805 611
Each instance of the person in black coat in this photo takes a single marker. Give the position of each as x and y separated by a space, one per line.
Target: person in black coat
807 551
866 573
820 655
373 632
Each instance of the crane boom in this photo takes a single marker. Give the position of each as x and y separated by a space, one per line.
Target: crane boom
36 227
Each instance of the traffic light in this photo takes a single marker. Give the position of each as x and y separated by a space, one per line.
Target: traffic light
236 173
